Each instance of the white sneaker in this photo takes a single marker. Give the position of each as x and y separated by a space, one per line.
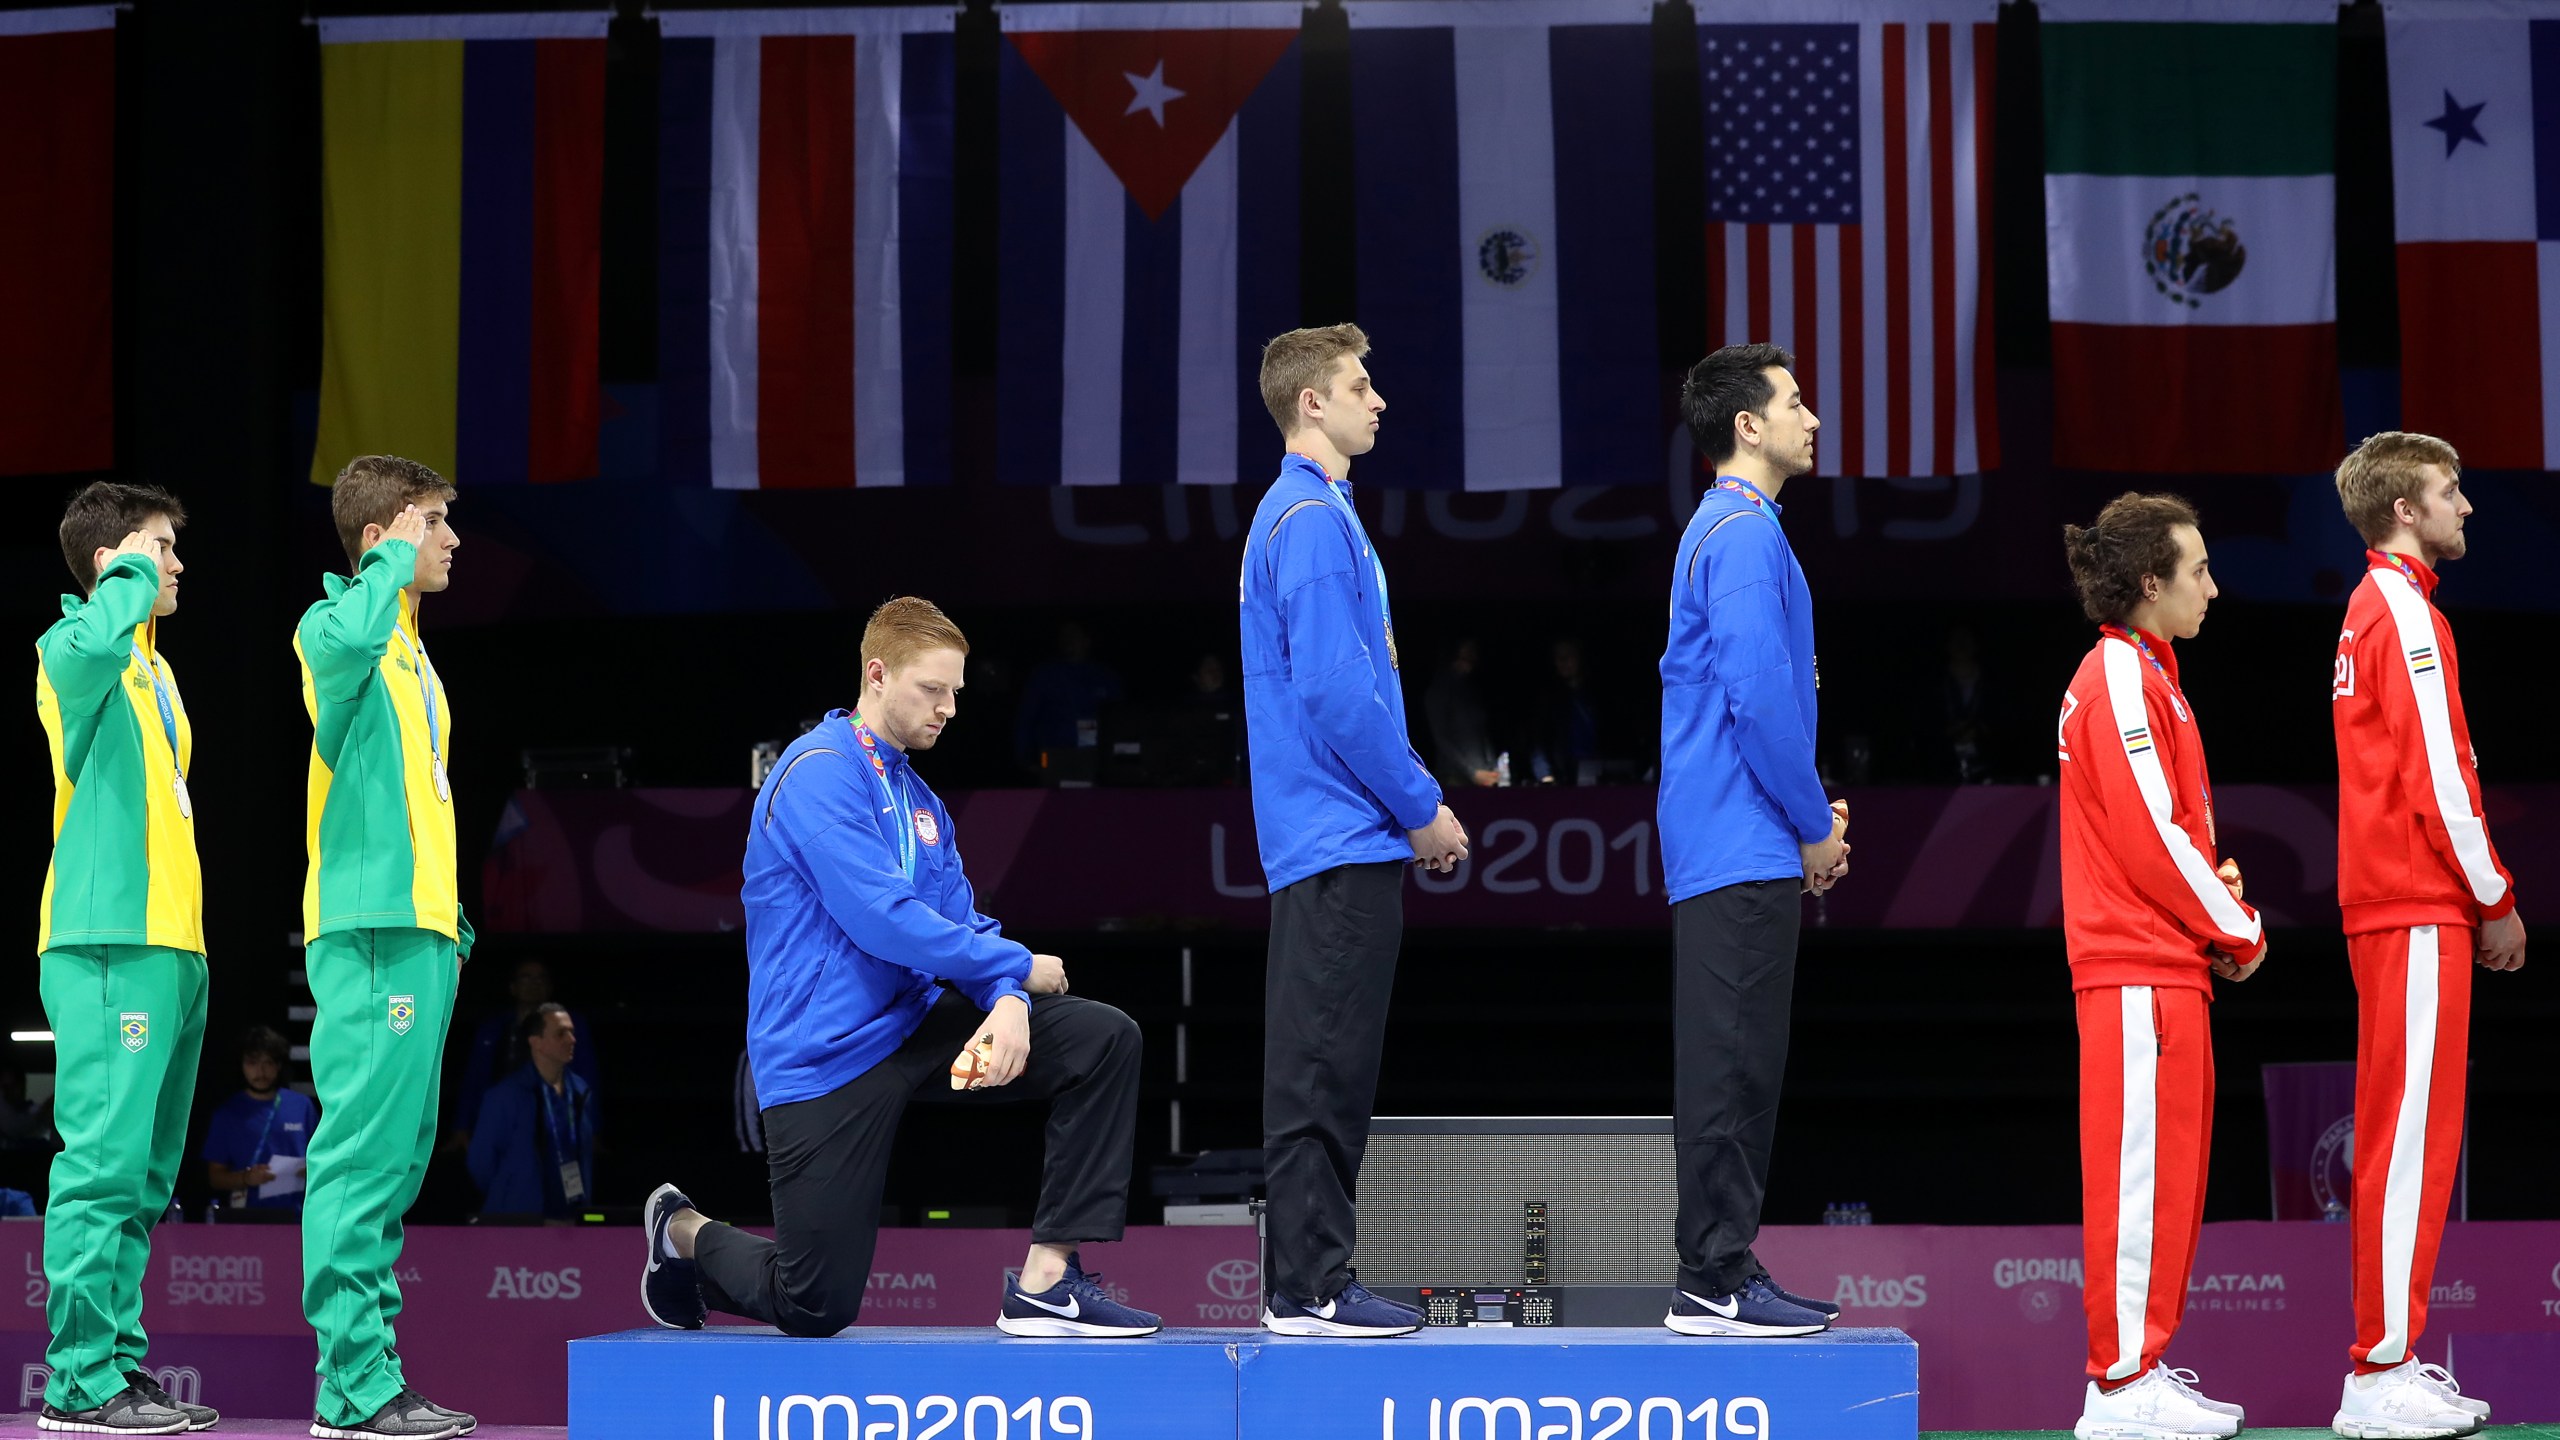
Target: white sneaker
2398 1404
2154 1407
2449 1390
2185 1380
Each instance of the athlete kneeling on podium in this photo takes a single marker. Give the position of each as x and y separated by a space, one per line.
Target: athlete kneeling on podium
869 969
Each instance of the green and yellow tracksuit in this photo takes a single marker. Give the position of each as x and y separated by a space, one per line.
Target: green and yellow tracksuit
121 936
384 940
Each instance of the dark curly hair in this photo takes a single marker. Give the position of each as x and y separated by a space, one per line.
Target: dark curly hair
2136 535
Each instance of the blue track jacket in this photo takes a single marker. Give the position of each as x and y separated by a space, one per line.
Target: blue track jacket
1335 779
519 1136
856 910
1739 790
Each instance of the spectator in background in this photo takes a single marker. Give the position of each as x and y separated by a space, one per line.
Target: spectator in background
1062 701
1209 690
1568 727
1965 711
533 1148
255 1144
498 1046
24 1123
1461 729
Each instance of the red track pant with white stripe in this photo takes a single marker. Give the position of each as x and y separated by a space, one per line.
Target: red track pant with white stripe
2413 1042
2146 1127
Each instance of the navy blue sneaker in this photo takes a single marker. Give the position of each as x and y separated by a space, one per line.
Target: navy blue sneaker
1824 1308
1076 1306
670 1288
1352 1311
1755 1310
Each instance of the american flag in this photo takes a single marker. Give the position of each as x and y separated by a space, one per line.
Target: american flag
1848 219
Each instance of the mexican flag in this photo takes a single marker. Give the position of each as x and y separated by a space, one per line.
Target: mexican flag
2189 243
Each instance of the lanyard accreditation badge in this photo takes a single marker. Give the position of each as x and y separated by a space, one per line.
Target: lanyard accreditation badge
898 801
573 1179
169 727
1339 495
435 721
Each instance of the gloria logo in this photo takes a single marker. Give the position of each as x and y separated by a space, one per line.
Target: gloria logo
1237 1285
2043 1283
814 1417
2010 1273
217 1280
523 1283
2235 1293
1657 1417
909 1290
1868 1292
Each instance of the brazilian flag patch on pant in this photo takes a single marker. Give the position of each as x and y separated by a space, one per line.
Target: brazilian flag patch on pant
135 1026
404 1013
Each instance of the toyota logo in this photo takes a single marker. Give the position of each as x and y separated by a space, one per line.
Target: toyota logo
1235 1279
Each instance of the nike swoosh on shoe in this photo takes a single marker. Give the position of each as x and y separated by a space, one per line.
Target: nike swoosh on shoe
1068 1311
1728 1309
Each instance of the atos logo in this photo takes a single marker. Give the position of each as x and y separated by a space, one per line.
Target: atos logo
1235 1283
522 1283
1867 1292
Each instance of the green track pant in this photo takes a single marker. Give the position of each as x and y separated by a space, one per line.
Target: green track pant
128 1026
385 1003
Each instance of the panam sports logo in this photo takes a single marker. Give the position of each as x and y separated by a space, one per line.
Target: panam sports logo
217 1280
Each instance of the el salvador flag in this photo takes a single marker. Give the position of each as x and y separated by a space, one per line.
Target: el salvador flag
1504 196
1148 235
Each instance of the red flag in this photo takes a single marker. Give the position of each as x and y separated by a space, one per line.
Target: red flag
57 249
1152 102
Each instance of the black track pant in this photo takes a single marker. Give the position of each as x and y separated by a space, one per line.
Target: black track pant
1733 981
1334 938
830 1157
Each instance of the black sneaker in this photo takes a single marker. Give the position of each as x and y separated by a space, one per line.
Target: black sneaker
405 1417
670 1288
1824 1308
464 1421
199 1417
127 1412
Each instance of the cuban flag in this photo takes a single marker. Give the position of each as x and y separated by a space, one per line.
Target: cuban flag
804 250
1848 219
1148 169
1504 194
2475 170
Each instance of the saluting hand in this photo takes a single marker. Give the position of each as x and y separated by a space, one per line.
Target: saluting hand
137 543
408 525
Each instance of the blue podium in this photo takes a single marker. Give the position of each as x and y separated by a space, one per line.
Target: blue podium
1491 1384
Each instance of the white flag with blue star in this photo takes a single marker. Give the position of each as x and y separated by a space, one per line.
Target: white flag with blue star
2477 210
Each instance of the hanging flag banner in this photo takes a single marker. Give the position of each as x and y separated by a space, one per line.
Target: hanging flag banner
1503 193
2476 194
1849 219
804 256
1148 165
57 243
2190 237
462 186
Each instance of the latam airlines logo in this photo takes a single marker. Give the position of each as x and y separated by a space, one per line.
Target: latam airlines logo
2231 1294
906 1290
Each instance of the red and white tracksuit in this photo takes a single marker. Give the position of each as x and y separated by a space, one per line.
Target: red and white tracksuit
2142 914
2416 879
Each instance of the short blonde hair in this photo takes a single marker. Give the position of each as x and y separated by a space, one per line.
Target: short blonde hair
1302 360
2384 471
905 627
